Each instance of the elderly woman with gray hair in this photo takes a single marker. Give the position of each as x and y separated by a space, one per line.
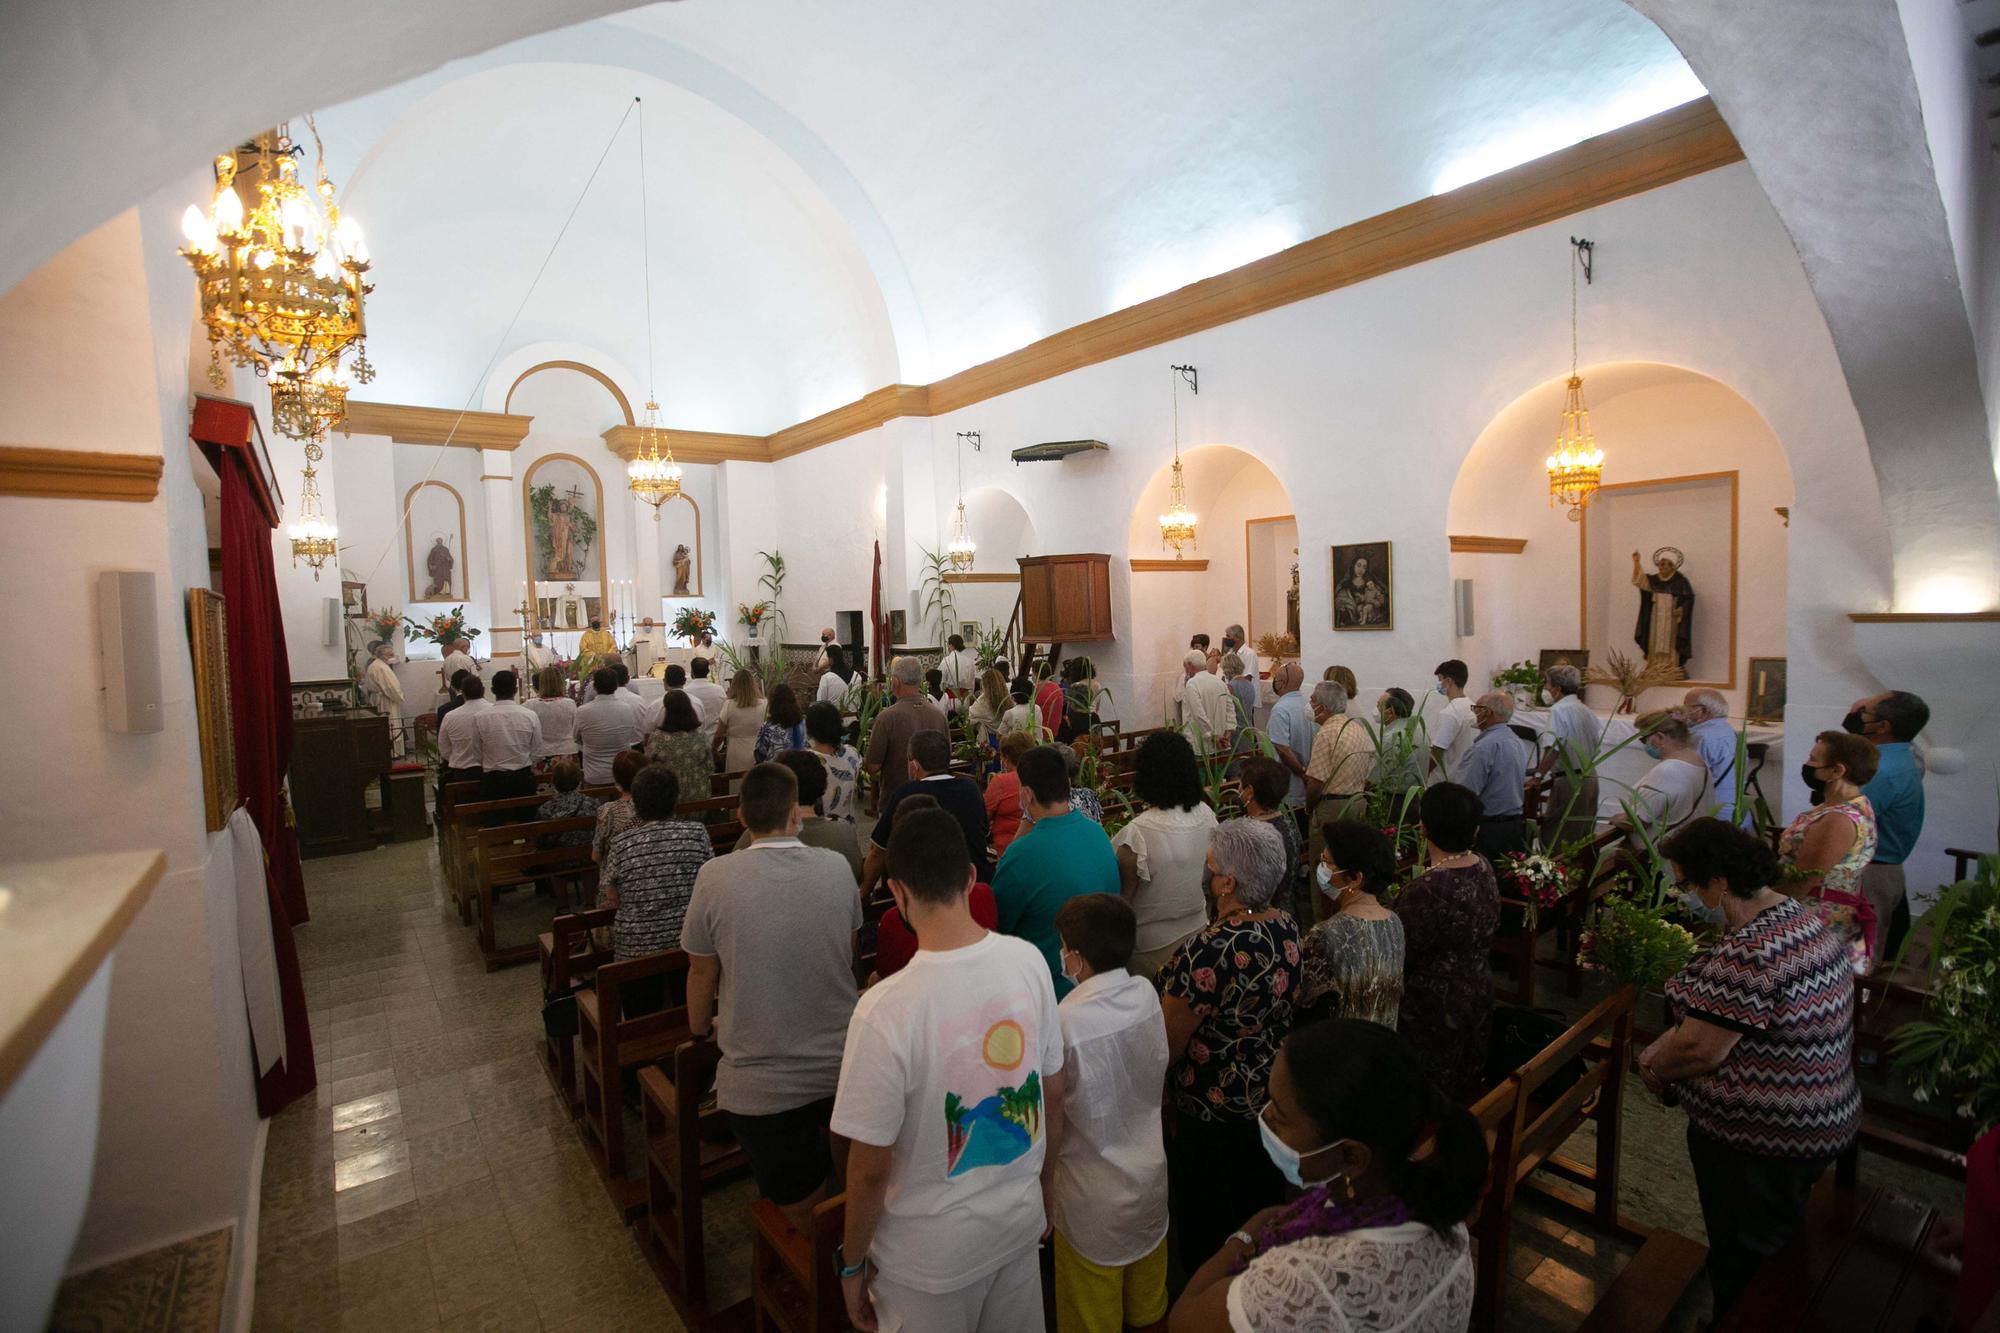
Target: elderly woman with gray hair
1227 999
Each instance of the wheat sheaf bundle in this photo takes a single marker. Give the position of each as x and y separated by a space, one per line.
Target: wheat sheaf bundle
1633 677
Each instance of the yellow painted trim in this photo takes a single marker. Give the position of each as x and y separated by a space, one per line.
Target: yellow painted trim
77 474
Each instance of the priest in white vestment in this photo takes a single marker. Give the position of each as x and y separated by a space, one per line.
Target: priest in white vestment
386 692
538 655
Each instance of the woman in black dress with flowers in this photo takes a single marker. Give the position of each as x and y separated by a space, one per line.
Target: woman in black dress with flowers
1449 914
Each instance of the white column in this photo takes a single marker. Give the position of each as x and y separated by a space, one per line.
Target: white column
506 567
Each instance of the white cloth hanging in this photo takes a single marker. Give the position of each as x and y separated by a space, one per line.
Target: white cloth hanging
253 943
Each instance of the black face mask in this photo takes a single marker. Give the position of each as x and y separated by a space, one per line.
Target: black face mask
1810 775
1854 724
1229 643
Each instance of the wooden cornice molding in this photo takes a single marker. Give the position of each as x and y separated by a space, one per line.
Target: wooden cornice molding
1015 577
76 474
691 446
1924 617
407 424
1490 545
883 405
1169 566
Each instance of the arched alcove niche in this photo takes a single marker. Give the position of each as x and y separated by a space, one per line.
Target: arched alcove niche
1676 444
1232 492
1004 532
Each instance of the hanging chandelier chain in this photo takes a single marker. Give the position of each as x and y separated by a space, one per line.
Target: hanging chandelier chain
646 255
1575 262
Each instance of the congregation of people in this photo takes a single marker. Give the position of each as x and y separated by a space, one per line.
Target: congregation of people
1306 991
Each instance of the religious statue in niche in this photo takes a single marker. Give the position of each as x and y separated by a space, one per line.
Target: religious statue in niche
1361 598
1665 632
565 531
438 565
683 570
1292 600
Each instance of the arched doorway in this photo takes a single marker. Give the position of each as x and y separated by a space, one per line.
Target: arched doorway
1004 532
1237 573
1689 463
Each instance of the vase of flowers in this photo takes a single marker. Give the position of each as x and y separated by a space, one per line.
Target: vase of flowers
1635 944
443 629
384 623
691 622
1539 880
753 616
1521 680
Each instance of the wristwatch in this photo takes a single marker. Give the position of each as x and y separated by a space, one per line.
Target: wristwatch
844 1269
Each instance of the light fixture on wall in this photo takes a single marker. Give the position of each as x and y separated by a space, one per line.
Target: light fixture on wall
652 476
314 538
962 550
281 282
1177 525
1576 466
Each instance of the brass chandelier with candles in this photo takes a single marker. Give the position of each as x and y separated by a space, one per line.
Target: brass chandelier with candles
1177 525
962 550
281 282
1576 466
314 539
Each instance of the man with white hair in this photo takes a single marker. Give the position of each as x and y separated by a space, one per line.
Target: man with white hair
1494 770
386 691
457 658
1573 736
888 757
1706 713
1208 709
1291 728
1342 754
1235 641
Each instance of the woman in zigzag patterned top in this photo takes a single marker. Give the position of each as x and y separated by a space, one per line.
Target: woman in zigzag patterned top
1762 1054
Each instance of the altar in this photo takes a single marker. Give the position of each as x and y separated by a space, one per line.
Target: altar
1623 770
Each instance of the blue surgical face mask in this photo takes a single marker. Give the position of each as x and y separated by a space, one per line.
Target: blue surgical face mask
1692 904
1288 1159
1441 689
1652 750
1325 876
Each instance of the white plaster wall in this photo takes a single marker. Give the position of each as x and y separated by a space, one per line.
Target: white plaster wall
363 473
177 1142
1652 422
700 483
833 505
381 518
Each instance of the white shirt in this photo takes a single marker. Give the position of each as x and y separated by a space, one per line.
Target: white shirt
1575 730
509 735
959 671
1021 717
949 1034
537 656
1111 1180
455 662
707 697
1208 706
458 734
1452 730
832 690
1672 792
558 726
604 727
1170 848
1250 663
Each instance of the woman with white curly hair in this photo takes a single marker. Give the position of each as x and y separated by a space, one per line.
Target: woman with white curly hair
1227 998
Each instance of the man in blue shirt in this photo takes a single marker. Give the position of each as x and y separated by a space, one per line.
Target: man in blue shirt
1291 727
1707 715
1061 855
1495 769
1892 720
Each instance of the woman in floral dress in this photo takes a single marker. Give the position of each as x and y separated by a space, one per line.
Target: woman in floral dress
1829 845
1449 914
1227 999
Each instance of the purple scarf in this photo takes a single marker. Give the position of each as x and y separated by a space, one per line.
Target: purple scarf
1318 1213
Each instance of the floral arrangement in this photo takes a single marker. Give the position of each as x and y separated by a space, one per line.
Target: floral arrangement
1539 880
444 628
691 622
1951 1053
1635 944
1632 677
1520 673
752 615
385 622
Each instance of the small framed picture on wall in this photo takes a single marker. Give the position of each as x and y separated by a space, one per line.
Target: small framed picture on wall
1363 596
354 600
1555 657
1765 699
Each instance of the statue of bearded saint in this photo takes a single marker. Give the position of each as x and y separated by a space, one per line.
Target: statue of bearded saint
1665 632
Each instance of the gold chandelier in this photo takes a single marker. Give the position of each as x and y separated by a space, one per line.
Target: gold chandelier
281 284
651 476
961 550
1576 466
314 538
1177 525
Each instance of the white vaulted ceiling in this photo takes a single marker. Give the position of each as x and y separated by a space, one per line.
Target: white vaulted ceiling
851 195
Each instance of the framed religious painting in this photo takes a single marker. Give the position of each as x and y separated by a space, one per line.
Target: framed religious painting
1765 700
1555 657
215 726
1363 594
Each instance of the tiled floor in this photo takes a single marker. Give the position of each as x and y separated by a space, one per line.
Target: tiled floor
434 1182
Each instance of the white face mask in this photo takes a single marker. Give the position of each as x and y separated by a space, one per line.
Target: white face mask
1065 955
1546 698
1324 874
1287 1158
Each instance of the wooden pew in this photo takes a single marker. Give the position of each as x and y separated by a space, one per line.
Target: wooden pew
608 1043
793 1282
457 830
1646 1290
521 864
568 957
687 1149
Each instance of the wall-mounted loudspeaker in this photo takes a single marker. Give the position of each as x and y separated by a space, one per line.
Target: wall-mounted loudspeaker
1461 600
128 636
330 632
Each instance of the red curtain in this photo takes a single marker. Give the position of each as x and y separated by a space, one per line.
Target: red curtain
260 686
